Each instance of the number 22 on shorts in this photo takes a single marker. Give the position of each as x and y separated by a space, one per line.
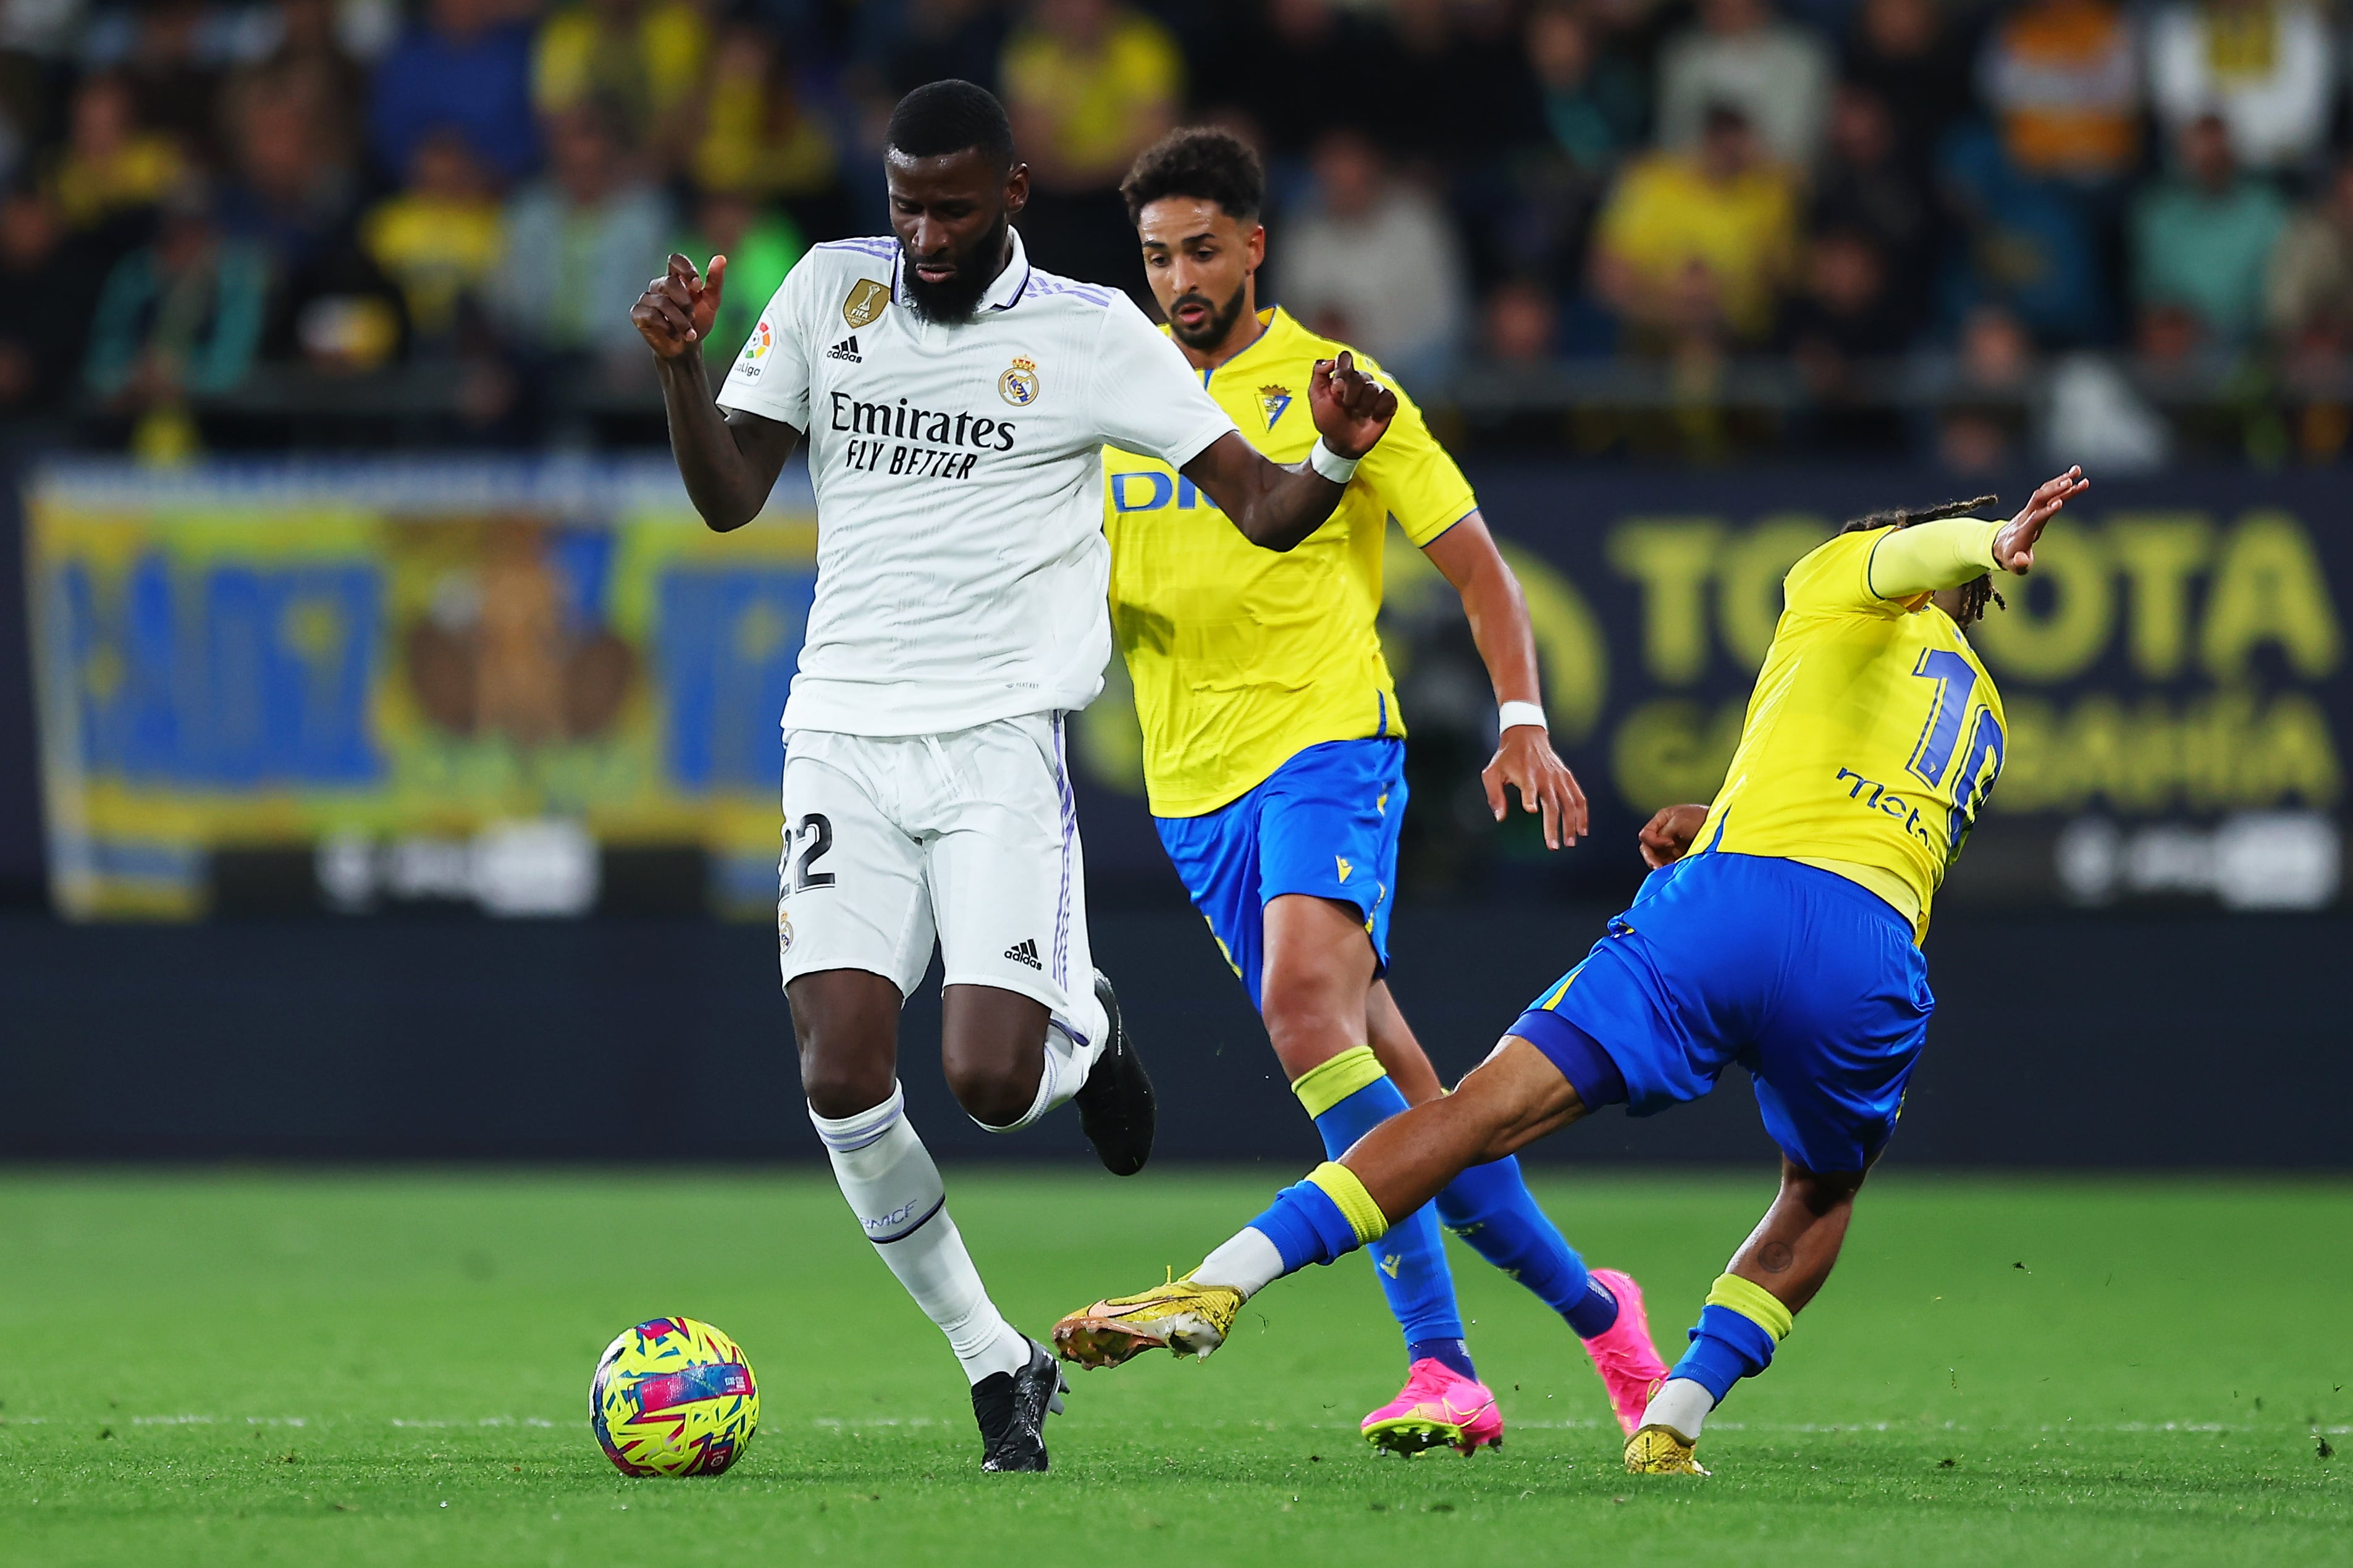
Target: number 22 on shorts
812 838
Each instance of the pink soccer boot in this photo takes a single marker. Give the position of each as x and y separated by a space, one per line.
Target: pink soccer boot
1624 1356
1437 1404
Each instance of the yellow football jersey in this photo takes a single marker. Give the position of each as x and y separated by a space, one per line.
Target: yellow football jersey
1242 657
1873 739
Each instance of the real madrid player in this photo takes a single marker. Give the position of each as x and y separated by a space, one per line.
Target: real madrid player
957 400
1274 760
1789 943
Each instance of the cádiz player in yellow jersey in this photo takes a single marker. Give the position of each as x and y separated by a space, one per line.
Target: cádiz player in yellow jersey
1789 943
1274 758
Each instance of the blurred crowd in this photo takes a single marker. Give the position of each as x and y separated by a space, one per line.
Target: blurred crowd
2067 195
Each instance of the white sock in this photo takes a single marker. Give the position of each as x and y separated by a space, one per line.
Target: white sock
1249 1263
895 1191
1681 1406
1066 1067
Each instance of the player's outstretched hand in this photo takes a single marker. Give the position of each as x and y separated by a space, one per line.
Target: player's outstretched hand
1524 761
2014 547
1352 411
1666 835
677 309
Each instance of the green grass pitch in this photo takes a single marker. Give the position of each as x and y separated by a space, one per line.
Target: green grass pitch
341 1368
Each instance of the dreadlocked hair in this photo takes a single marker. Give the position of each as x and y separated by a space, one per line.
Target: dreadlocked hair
1974 595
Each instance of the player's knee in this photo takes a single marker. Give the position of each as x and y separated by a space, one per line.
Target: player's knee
1819 1191
993 1093
837 1088
1304 1018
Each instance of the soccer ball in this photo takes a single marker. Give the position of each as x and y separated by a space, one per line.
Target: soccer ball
673 1397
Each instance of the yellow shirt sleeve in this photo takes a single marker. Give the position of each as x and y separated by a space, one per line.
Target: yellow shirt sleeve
1890 571
1413 476
1931 555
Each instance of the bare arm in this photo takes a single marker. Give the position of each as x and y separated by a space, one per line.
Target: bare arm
729 461
1277 508
1498 612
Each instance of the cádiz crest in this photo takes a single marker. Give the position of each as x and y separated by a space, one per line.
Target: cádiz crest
866 301
1019 386
1272 402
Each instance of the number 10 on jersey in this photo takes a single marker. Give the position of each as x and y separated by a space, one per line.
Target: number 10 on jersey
1955 681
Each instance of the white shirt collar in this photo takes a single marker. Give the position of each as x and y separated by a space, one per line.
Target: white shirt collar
1004 291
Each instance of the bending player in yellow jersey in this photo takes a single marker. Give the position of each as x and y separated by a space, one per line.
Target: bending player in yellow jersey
1274 758
1788 943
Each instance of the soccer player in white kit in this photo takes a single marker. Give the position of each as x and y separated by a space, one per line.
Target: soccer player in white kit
957 400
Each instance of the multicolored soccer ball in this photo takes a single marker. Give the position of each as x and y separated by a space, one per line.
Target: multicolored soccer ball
673 1397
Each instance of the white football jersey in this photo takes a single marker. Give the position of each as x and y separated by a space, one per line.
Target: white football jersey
961 565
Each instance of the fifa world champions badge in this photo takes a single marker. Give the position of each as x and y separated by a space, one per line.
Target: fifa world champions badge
1018 385
867 300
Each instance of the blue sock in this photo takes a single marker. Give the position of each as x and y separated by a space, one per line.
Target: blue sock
1724 1348
1306 1226
1490 1208
1452 1354
1410 1260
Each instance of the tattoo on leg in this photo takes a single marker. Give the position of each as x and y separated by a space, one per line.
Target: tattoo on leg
1775 1257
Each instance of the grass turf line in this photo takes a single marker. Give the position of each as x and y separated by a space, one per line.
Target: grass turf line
329 1369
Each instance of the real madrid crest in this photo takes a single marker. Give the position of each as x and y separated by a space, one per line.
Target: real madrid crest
784 930
866 301
1019 386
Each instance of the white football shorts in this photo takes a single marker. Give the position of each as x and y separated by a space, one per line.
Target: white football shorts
971 837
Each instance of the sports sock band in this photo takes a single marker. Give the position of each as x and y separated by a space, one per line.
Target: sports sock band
1490 1208
1348 1097
1059 1075
1306 1226
1754 1302
895 1191
1737 1332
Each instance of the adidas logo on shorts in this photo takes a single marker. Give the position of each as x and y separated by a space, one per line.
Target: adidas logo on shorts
1025 952
845 349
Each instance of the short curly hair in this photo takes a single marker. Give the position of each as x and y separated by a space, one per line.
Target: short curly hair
1201 162
1975 594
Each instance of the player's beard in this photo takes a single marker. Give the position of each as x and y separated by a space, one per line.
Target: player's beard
977 267
1214 327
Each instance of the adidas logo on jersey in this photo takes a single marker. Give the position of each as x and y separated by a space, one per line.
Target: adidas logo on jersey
1025 952
845 349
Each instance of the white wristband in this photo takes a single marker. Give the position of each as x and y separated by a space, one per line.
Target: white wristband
1330 464
1512 715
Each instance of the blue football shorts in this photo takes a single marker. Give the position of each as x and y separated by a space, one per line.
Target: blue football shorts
1325 824
1809 981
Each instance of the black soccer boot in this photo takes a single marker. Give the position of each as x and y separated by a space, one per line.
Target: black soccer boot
1115 1104
1012 1407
